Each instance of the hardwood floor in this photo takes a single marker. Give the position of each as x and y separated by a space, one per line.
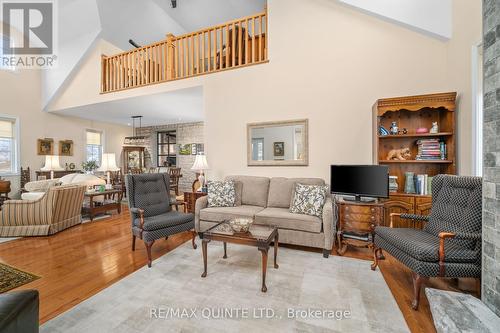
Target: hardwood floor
81 261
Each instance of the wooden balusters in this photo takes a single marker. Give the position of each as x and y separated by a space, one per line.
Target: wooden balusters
232 44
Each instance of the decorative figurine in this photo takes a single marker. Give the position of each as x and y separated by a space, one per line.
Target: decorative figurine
402 154
405 131
382 131
434 129
394 128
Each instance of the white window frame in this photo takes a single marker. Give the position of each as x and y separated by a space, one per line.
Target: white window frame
16 161
477 109
95 130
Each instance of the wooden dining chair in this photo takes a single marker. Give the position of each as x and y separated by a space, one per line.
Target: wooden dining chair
175 174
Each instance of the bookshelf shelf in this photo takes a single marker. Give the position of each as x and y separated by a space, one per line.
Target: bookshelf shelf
410 113
415 161
423 135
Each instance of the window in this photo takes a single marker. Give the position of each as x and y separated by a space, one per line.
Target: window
94 146
8 146
258 149
477 106
166 148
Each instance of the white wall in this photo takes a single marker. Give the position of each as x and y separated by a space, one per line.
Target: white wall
78 27
428 16
330 68
21 97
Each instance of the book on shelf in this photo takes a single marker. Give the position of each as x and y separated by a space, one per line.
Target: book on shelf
431 149
423 184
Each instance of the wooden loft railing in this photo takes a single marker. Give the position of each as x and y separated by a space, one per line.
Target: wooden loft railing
237 43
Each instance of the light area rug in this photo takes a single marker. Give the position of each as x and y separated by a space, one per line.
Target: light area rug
7 239
172 297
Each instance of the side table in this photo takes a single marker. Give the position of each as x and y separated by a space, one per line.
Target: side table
110 202
356 223
190 200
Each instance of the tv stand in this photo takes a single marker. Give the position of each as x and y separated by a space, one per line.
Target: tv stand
358 198
357 220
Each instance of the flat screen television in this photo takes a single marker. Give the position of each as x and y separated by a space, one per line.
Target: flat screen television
370 181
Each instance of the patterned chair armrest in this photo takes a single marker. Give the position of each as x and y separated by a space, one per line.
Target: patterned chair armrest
461 235
424 218
137 213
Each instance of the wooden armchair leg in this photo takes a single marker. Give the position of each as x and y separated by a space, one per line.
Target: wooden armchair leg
193 240
418 280
148 250
375 257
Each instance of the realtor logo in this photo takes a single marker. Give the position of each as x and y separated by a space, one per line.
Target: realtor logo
29 30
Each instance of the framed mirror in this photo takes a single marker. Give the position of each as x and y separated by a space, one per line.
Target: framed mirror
278 143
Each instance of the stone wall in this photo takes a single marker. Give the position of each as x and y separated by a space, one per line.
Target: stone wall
491 173
186 133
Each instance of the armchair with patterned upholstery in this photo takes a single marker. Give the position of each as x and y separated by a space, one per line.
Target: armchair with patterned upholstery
449 245
150 210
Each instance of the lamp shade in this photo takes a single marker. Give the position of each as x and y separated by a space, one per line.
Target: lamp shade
200 163
51 163
108 163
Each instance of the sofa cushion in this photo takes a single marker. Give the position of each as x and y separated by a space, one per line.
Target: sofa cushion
255 189
219 214
281 189
221 194
283 219
68 179
41 185
238 191
87 180
309 199
32 195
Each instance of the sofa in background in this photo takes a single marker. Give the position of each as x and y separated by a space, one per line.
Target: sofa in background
267 201
37 189
57 209
19 311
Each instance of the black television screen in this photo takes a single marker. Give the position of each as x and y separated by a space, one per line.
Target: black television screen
360 180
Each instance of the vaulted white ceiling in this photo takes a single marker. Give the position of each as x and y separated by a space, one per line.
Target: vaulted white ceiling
148 21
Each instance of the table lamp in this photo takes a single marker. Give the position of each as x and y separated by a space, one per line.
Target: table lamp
108 164
51 164
200 164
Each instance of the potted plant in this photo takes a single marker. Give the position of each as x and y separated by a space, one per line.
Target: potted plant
89 166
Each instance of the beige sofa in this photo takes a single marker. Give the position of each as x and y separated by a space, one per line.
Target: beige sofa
267 200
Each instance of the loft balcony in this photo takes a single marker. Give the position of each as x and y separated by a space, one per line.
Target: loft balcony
233 44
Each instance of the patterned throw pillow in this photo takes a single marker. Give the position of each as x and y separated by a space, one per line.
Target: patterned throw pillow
309 199
221 193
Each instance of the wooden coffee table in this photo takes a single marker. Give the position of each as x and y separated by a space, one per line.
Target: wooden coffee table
259 236
112 200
